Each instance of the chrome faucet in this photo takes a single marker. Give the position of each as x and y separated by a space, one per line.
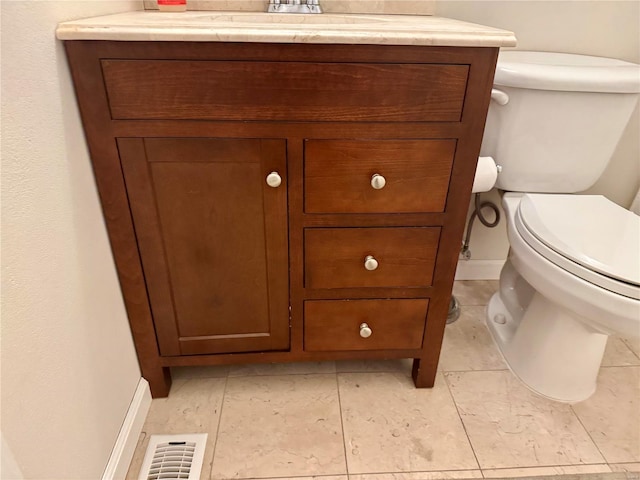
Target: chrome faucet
294 6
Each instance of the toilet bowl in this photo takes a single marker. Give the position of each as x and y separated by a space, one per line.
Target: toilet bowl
561 293
572 277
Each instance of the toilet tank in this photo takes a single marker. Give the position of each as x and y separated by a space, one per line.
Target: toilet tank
563 119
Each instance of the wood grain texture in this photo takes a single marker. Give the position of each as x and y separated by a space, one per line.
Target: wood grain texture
337 175
334 257
334 325
296 243
266 130
364 119
298 91
286 357
473 118
148 232
199 207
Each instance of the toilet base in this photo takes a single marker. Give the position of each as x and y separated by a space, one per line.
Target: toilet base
550 350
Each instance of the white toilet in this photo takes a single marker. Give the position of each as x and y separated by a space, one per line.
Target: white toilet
572 277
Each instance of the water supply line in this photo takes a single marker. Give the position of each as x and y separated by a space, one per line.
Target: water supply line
477 212
454 304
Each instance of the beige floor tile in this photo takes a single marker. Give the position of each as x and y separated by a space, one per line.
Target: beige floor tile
440 475
294 368
316 477
625 467
510 426
612 414
400 365
193 406
391 426
633 344
544 471
468 345
212 371
618 354
474 292
280 426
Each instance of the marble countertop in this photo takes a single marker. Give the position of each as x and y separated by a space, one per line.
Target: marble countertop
202 26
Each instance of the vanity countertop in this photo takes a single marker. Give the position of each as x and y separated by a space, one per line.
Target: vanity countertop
203 26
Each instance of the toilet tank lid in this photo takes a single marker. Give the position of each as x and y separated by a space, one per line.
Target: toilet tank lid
587 229
566 72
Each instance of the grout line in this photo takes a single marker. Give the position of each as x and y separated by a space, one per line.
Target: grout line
313 476
476 371
626 342
365 372
280 375
464 427
215 443
590 464
344 438
419 471
620 366
445 470
604 459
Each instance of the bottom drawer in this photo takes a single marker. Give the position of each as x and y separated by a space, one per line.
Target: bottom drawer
336 325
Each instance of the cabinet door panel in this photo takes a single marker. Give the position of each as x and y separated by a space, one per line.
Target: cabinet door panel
220 275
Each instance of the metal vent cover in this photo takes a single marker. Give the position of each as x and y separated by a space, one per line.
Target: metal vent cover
174 457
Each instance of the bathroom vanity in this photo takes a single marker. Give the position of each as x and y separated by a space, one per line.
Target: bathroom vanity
283 192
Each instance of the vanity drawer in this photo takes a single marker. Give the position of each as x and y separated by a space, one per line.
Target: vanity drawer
336 325
338 175
287 91
337 257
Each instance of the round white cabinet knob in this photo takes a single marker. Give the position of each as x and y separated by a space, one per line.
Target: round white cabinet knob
274 180
370 263
365 330
378 181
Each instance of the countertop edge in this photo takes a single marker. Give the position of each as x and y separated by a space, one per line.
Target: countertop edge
225 27
327 36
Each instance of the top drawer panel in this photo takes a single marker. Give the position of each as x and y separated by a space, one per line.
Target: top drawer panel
294 91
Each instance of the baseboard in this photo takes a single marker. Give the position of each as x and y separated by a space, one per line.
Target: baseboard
479 269
125 446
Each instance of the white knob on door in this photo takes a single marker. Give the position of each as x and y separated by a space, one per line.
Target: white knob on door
274 180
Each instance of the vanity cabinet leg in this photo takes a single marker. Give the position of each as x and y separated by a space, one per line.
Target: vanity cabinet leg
159 379
423 376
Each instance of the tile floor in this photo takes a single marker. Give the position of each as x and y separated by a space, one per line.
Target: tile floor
364 420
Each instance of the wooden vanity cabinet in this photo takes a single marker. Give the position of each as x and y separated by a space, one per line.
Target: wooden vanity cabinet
283 202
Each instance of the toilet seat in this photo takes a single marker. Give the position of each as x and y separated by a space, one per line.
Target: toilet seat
577 232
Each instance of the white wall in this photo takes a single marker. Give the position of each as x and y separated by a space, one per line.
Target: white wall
600 28
69 369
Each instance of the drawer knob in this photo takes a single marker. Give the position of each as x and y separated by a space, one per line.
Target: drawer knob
274 180
378 181
370 263
365 330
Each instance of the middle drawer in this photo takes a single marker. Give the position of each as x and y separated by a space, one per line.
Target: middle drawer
370 257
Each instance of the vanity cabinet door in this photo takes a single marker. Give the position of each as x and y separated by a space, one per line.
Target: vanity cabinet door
210 218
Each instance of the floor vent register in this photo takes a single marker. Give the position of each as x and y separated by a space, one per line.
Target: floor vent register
174 457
